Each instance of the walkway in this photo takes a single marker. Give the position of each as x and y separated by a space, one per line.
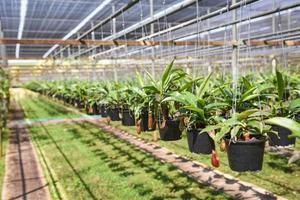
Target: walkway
23 175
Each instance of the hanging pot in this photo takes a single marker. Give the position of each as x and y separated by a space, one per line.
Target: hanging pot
144 120
103 110
128 117
95 109
151 122
245 155
79 104
199 142
169 130
113 113
283 137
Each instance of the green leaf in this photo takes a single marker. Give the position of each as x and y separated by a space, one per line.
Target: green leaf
166 73
234 131
247 93
199 111
140 79
211 127
250 97
260 114
214 106
294 104
186 98
246 83
287 123
246 114
203 87
280 84
220 134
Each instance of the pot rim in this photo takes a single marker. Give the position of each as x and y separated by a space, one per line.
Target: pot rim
262 139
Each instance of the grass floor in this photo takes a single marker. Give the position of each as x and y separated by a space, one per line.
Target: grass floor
2 158
82 162
276 175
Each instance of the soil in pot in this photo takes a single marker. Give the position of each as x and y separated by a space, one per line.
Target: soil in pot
199 143
113 113
128 118
245 155
283 137
169 130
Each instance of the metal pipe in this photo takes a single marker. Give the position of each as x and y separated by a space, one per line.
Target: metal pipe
234 55
243 20
148 20
3 50
184 24
107 19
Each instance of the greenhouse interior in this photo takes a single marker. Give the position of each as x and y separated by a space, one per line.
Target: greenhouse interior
149 99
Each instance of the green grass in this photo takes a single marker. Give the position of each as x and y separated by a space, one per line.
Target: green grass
276 175
82 162
91 164
2 159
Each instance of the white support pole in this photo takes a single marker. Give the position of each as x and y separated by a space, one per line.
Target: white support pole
3 57
113 33
274 64
114 27
93 38
61 53
234 58
152 31
79 48
208 38
69 52
274 25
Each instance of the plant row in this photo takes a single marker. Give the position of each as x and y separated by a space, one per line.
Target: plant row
240 117
4 99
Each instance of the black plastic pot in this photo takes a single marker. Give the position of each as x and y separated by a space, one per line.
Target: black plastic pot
94 108
79 104
128 118
171 131
113 113
297 118
282 139
103 111
245 155
199 143
144 120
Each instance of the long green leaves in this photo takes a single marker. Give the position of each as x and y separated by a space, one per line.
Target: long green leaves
203 87
280 84
290 124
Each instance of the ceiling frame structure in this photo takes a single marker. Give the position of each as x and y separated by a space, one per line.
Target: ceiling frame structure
143 29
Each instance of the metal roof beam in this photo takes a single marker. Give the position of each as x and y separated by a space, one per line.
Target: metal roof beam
170 10
80 25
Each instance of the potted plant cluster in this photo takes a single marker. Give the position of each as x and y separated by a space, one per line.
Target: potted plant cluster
4 102
240 119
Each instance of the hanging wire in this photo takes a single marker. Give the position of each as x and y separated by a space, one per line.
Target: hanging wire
236 88
197 39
